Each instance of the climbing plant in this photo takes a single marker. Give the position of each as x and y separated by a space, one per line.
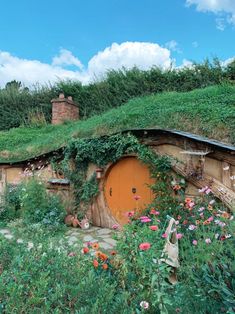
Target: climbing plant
101 151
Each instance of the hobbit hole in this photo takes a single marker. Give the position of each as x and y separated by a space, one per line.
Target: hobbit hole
127 188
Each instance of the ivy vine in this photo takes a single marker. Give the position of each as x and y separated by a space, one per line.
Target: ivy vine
101 151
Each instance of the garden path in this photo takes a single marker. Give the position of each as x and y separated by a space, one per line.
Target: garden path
76 236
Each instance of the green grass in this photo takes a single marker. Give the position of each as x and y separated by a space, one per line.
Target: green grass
209 112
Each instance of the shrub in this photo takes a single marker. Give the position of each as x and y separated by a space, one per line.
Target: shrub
11 203
38 206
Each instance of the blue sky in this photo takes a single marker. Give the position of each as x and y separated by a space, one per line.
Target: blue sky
56 39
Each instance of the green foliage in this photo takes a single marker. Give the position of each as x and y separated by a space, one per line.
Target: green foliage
45 279
209 112
38 206
16 102
10 207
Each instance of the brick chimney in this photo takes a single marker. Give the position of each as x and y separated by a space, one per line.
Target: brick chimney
64 109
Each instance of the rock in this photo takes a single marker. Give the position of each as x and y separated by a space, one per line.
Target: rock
94 241
72 239
111 241
88 238
105 246
104 231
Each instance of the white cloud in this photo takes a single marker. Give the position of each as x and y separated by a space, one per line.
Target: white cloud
225 9
173 46
185 64
66 57
227 61
128 54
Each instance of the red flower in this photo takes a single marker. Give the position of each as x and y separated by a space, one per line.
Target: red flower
154 228
95 263
144 246
85 250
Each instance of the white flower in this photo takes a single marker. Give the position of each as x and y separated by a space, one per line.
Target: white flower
30 245
226 168
144 305
192 227
19 241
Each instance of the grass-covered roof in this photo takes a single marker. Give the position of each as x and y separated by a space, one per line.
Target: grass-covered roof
208 112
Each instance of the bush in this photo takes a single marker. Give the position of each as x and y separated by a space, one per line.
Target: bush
39 206
11 203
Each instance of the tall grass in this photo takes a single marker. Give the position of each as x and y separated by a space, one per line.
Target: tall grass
114 90
209 112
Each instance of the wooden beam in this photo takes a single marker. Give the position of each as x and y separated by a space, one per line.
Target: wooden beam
226 195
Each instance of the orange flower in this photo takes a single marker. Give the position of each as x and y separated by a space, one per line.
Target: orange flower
206 222
105 266
103 257
188 200
210 207
225 215
198 222
113 253
95 263
95 246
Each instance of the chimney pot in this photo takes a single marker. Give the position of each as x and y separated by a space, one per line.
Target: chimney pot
70 98
61 96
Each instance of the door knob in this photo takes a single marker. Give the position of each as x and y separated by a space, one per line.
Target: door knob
133 190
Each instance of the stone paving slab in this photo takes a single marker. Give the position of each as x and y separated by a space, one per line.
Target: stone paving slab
75 237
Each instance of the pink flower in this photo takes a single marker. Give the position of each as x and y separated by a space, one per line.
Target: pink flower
137 197
144 305
146 220
208 241
71 254
144 217
115 226
208 191
210 219
201 209
144 246
194 242
154 212
179 236
154 228
177 222
201 214
164 235
191 204
130 214
205 189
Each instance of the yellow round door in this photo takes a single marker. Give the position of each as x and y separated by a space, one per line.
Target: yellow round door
127 180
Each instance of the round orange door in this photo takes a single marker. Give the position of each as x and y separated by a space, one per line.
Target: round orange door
128 178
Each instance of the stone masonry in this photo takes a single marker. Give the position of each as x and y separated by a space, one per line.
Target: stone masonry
64 109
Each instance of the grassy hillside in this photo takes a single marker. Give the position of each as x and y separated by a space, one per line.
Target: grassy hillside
209 112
